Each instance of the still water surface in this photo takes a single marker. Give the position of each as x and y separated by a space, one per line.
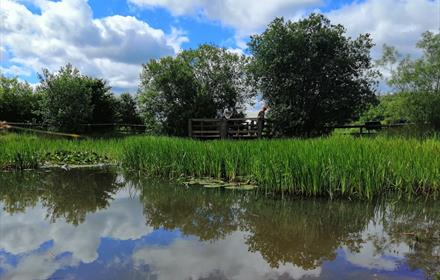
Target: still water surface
102 224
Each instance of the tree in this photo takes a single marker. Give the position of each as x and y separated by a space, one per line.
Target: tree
66 99
18 103
103 101
194 84
71 99
390 110
418 80
416 75
127 110
312 75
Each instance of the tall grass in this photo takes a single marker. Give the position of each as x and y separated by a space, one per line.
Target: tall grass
334 166
29 151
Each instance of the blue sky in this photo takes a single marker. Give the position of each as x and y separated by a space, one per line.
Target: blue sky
111 39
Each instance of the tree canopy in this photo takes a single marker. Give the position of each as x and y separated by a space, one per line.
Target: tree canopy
194 84
70 99
311 74
416 82
18 103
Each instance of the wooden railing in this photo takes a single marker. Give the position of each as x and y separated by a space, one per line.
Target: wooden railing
241 128
254 128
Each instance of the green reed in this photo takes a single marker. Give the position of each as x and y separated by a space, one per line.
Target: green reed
30 151
339 166
335 166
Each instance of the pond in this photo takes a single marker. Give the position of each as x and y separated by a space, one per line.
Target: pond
107 224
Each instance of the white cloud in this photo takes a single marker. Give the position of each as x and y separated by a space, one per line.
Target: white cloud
245 16
230 257
388 258
23 233
112 47
395 22
15 70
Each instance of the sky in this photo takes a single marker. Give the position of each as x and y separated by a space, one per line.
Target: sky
111 39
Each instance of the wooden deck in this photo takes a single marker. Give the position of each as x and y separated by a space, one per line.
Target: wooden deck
254 128
242 128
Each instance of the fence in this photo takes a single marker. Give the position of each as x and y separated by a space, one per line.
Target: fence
239 128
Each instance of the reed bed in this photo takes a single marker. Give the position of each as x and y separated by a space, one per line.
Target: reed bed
27 151
337 166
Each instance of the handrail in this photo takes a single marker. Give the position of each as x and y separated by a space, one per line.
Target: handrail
83 124
7 125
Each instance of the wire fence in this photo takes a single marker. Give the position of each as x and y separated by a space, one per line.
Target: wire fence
88 129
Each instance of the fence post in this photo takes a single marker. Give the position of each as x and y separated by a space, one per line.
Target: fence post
260 127
224 129
190 128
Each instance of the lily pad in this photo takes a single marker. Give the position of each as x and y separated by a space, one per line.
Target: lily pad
212 186
215 183
244 187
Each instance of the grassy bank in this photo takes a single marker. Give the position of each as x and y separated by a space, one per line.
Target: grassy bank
30 151
336 166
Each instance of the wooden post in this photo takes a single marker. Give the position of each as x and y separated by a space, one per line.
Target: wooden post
190 128
260 128
224 129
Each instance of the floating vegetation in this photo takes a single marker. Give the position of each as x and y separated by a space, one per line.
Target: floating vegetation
19 152
215 183
75 158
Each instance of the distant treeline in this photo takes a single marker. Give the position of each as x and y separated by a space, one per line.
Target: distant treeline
309 73
66 100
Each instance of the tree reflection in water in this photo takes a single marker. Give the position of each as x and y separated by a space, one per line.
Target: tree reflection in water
301 232
417 224
70 195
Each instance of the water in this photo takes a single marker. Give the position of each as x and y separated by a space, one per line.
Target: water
105 225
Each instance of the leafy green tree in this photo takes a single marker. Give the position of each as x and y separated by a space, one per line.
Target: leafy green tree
418 80
194 84
66 100
103 101
71 99
390 110
312 75
18 103
127 110
416 75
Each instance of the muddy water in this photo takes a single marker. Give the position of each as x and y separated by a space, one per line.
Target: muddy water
98 224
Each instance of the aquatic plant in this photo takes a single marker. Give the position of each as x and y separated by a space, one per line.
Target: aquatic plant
29 151
334 166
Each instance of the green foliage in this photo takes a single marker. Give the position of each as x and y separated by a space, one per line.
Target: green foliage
74 157
104 103
194 84
18 103
417 81
71 99
127 110
67 99
424 109
337 166
390 110
26 151
415 75
311 74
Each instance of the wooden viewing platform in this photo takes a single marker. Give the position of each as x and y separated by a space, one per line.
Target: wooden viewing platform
255 128
238 128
